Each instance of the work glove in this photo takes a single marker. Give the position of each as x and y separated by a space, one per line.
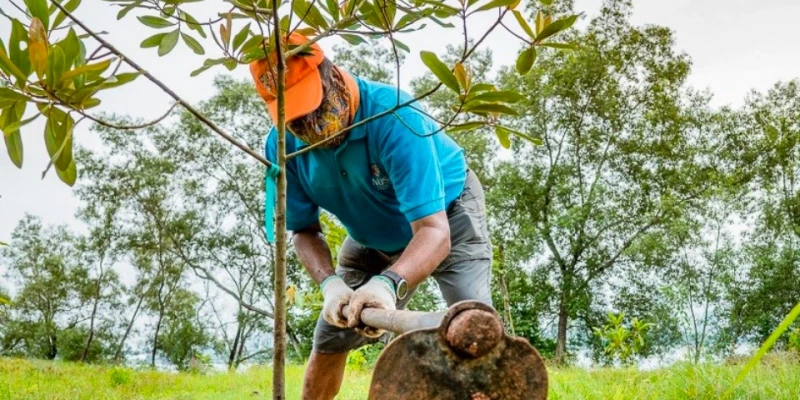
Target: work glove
336 295
377 293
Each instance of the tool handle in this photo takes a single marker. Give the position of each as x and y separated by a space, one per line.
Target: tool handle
398 321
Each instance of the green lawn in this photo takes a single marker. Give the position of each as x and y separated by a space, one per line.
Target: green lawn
777 378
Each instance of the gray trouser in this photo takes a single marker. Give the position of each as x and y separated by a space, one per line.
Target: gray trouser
465 274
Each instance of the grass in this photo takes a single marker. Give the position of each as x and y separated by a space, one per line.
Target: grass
778 377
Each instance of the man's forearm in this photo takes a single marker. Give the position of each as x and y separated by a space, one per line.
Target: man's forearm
427 249
314 253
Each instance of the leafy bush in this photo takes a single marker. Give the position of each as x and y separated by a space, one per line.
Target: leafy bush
120 376
623 342
794 340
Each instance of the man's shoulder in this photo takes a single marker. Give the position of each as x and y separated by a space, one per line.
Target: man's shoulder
402 112
379 96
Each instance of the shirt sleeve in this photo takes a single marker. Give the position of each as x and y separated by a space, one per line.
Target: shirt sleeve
408 152
301 211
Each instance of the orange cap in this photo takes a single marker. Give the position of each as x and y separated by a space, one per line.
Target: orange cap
303 82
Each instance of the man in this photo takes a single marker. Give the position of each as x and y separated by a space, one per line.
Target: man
410 206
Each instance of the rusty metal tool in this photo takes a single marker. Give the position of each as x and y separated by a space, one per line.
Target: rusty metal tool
461 354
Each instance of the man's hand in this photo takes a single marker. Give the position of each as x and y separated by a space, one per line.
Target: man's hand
337 295
377 293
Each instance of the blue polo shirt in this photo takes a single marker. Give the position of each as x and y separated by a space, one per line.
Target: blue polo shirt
389 172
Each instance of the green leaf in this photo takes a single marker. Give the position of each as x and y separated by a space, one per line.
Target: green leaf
14 147
153 41
168 42
193 44
546 2
240 37
503 96
333 9
230 64
69 175
10 122
387 10
309 13
208 64
19 58
535 141
467 126
351 6
439 4
120 79
401 45
495 4
125 10
408 19
502 135
524 24
71 6
200 70
555 27
440 70
354 40
55 66
525 60
38 9
154 22
63 156
95 68
193 24
71 46
490 108
481 87
440 23
89 103
254 43
7 94
782 327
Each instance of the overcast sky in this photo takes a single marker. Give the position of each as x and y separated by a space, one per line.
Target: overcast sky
735 45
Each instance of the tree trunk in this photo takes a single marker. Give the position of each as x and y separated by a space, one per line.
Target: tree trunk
234 348
155 338
504 288
91 330
240 352
561 338
53 347
279 355
121 345
295 342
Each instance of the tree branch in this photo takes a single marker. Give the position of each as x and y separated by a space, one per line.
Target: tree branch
211 125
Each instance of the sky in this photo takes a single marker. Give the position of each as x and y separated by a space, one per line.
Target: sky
735 45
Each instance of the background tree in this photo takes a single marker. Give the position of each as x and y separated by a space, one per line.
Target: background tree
42 265
766 151
624 159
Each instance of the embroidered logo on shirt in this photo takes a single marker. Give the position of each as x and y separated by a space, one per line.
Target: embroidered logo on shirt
379 180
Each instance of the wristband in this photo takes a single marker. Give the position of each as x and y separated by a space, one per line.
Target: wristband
326 280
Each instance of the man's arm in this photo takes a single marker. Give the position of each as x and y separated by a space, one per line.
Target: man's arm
428 248
313 251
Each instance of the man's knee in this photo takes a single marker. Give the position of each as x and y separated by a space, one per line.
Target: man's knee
466 280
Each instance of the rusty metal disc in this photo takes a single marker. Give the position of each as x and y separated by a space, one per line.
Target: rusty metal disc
466 358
